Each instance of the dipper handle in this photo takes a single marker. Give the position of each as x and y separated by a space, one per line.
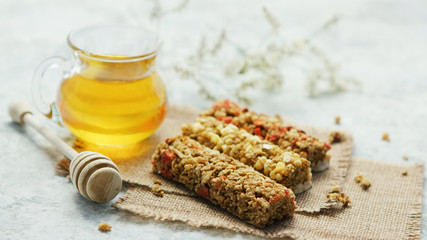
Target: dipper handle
21 113
17 110
94 175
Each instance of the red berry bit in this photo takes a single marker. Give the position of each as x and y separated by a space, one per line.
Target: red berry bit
166 162
327 145
257 131
304 137
228 119
274 137
275 199
166 173
245 109
286 192
167 139
227 104
203 192
220 118
167 157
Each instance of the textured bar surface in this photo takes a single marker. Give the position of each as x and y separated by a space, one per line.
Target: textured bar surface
273 129
224 181
285 167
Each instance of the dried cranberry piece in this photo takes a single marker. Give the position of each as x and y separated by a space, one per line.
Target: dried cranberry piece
204 192
167 157
227 104
257 131
275 198
274 137
228 119
166 173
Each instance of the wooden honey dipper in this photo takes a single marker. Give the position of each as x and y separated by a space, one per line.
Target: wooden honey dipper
94 175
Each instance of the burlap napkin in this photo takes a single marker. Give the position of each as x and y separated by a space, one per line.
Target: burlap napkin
389 209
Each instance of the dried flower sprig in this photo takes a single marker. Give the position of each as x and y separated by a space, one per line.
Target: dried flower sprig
329 75
255 70
218 44
158 11
272 20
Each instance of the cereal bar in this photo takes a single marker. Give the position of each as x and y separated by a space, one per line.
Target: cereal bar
224 181
285 167
274 130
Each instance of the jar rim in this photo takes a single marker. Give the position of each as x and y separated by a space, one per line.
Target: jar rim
151 51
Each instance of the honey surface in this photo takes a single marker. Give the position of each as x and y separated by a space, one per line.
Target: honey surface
112 112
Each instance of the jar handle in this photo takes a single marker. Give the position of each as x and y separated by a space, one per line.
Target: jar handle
49 110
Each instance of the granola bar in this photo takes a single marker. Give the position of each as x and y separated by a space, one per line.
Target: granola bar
285 167
273 129
224 181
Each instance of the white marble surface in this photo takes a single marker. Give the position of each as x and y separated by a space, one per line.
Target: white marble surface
380 43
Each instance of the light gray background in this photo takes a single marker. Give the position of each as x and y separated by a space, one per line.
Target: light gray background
383 44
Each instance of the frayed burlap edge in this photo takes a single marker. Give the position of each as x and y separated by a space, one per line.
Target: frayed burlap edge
341 173
413 229
342 156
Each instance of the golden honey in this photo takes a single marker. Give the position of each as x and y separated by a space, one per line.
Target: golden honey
112 100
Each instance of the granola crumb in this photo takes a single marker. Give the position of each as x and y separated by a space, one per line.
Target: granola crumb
386 137
336 196
336 137
104 227
337 120
405 173
63 167
358 178
157 190
364 182
339 197
335 189
157 181
405 157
